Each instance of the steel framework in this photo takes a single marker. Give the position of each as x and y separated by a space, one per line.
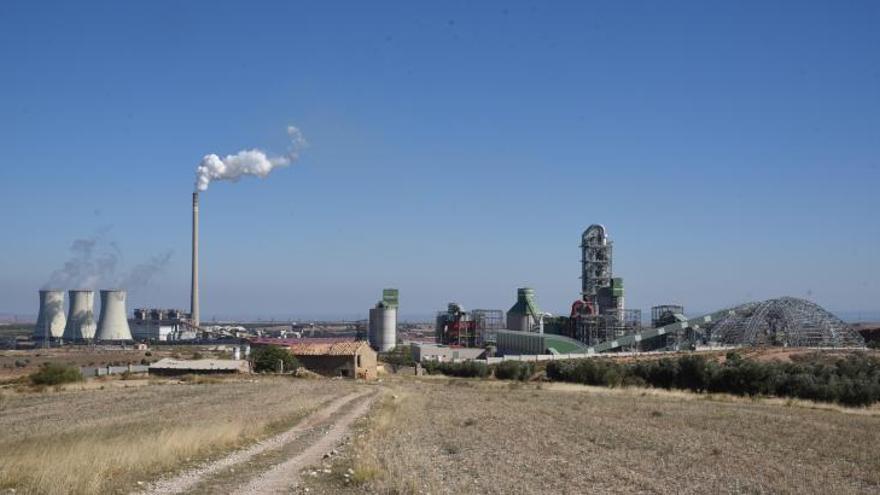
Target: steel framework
786 321
596 255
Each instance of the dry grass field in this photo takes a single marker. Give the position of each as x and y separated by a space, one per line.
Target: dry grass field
442 435
105 437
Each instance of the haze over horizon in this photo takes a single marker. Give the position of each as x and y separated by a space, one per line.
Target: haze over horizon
456 152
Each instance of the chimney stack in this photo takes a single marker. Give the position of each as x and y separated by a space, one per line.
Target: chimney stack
194 294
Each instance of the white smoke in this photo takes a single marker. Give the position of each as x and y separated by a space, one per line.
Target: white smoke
252 162
94 262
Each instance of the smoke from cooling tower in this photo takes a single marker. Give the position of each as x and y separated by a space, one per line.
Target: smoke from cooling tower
253 162
94 262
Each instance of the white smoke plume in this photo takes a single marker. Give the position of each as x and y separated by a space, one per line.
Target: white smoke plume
251 162
94 262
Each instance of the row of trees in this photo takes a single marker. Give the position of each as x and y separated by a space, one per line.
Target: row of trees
853 380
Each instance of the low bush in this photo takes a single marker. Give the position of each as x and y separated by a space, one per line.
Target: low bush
55 374
853 380
465 369
514 370
398 357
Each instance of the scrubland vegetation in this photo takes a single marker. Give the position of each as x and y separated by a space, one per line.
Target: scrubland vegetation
55 374
853 380
465 369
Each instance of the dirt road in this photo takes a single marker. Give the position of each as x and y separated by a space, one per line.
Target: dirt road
273 465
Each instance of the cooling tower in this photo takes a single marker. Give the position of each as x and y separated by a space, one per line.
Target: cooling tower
51 320
113 323
80 315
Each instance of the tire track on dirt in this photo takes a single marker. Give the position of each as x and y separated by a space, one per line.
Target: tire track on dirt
282 477
187 480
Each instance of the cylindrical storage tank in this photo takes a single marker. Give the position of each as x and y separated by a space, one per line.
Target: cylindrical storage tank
113 322
80 315
388 330
51 320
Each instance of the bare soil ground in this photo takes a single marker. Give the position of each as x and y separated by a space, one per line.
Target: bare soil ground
441 435
107 437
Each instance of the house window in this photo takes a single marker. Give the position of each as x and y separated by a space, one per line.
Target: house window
358 360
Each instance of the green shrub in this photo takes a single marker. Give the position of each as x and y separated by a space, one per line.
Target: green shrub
265 359
55 374
399 356
852 381
514 370
465 369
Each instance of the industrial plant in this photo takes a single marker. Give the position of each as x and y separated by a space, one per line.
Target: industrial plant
598 321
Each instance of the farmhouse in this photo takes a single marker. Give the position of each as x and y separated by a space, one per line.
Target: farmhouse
346 359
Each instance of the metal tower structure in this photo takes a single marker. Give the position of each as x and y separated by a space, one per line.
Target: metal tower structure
595 263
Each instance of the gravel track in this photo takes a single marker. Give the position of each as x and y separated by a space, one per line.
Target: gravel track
187 480
285 476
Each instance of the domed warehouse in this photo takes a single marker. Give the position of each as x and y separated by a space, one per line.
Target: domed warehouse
786 321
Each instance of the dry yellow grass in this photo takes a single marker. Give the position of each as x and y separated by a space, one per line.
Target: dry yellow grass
105 441
88 462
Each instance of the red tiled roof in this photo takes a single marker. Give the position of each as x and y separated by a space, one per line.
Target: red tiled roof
304 340
326 348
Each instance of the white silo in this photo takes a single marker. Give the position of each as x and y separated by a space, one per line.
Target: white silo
51 320
80 315
383 327
113 322
388 333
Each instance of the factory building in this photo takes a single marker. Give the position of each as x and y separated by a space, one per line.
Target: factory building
458 327
159 325
516 342
443 353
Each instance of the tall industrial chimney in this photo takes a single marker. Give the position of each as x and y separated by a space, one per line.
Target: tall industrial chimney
194 294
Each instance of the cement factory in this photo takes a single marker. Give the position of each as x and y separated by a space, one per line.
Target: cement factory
599 320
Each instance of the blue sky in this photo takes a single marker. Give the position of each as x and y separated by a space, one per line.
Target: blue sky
457 149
